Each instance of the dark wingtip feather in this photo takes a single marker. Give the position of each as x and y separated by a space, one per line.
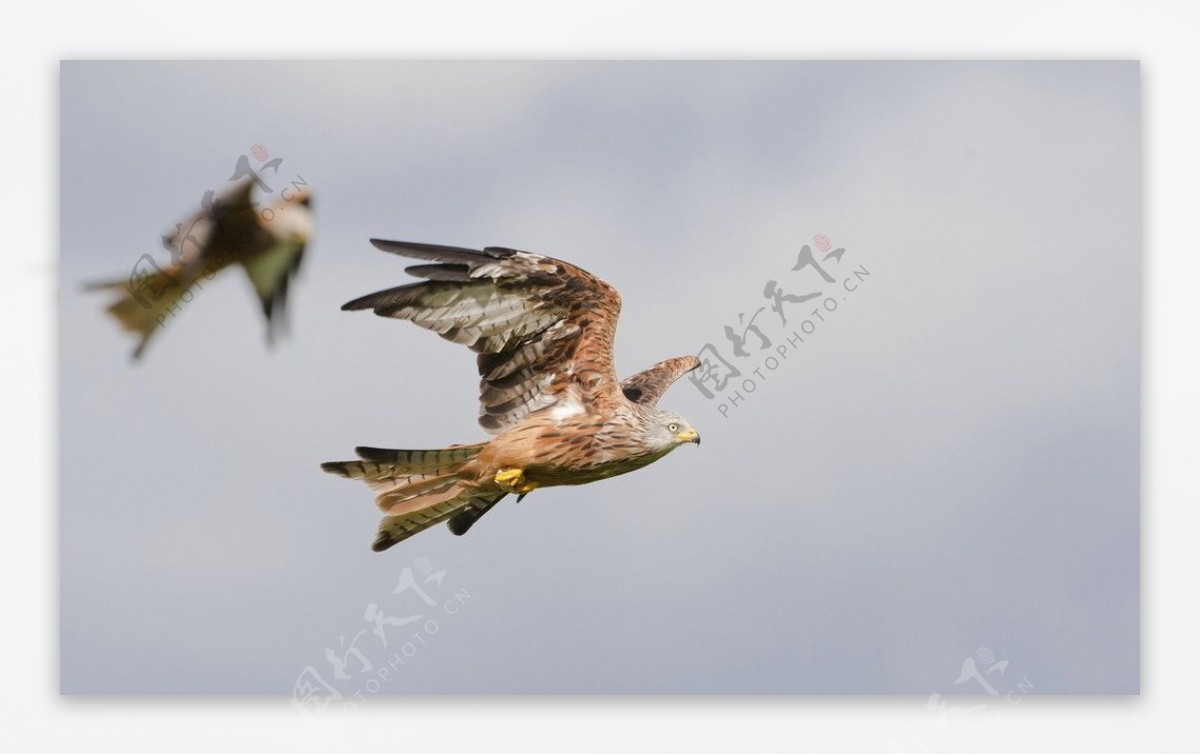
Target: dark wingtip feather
383 541
431 252
441 253
370 453
500 252
362 302
336 467
453 272
387 298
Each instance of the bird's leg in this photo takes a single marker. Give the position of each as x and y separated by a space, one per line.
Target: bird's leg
513 481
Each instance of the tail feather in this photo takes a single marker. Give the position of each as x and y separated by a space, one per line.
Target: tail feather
418 489
145 303
463 520
393 529
397 475
405 498
420 462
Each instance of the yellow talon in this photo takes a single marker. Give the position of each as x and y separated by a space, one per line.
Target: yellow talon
510 479
513 480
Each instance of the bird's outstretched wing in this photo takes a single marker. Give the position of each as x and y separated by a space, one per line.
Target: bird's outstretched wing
648 386
282 236
271 272
543 328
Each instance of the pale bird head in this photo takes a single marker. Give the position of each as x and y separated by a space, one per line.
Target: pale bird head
668 430
291 218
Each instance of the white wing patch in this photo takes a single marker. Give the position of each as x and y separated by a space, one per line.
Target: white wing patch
572 407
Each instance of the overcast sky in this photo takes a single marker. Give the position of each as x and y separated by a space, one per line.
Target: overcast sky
945 468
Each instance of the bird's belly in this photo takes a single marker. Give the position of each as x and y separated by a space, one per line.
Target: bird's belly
581 471
576 451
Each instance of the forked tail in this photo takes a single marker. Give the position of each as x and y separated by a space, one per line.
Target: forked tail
146 301
418 489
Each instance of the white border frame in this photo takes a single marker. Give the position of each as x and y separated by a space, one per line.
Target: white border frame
36 37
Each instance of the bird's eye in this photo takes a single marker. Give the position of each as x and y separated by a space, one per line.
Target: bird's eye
673 427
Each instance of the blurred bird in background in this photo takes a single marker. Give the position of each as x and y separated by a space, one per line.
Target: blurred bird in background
267 241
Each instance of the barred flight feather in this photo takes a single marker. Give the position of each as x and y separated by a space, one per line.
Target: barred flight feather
528 317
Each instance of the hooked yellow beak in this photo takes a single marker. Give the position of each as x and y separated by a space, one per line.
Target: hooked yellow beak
688 436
